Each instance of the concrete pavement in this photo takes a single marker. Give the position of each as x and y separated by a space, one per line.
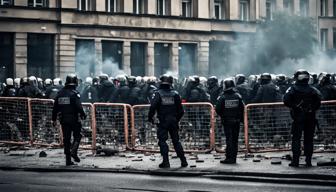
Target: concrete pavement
264 165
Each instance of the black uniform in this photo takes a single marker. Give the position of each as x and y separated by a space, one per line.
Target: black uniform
230 107
68 104
9 91
303 100
167 103
89 94
106 91
267 93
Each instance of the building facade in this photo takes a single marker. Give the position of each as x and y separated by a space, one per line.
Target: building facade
51 38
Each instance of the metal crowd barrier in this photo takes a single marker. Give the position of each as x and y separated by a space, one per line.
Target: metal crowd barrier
15 121
268 127
88 140
111 126
44 133
196 128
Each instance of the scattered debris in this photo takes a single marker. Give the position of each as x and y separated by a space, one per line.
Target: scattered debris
199 161
42 154
256 160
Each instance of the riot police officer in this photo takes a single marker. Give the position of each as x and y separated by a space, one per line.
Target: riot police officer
9 90
213 89
230 107
267 92
303 100
167 103
68 104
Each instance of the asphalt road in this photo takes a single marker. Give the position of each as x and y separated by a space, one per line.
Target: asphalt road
13 181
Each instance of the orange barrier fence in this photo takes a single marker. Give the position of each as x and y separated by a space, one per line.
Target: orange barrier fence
196 128
15 125
88 140
111 124
268 127
44 133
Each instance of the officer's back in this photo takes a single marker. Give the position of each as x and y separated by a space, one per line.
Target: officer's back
167 102
67 102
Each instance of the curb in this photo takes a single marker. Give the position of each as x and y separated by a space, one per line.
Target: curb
306 179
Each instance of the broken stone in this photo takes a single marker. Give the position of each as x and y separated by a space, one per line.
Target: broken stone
256 160
136 159
192 166
249 155
199 161
276 162
174 157
42 154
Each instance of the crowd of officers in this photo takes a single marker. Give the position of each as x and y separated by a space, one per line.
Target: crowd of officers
264 88
302 94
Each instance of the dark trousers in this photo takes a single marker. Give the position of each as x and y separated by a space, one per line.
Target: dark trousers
75 131
162 133
306 126
231 130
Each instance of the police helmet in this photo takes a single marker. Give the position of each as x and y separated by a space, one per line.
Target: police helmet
9 81
212 80
48 82
266 76
71 79
103 77
88 80
131 80
166 79
229 84
240 78
17 82
302 76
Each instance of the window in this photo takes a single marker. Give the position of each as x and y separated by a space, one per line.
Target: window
324 39
6 2
288 6
324 8
139 6
38 3
304 8
334 38
161 7
84 5
334 8
244 10
113 6
270 7
218 9
186 8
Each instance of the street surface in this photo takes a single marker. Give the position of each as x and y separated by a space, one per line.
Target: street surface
16 181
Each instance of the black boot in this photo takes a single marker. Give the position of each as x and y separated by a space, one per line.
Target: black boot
308 161
184 162
68 161
74 151
165 163
228 161
295 161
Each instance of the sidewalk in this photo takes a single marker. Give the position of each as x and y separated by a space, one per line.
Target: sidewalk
259 166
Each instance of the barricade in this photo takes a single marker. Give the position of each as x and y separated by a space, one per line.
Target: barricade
268 127
111 124
196 128
220 140
88 140
15 122
44 133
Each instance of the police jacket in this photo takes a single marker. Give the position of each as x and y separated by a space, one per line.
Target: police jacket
89 94
230 107
68 104
121 94
106 91
9 91
267 93
302 99
167 103
328 92
214 92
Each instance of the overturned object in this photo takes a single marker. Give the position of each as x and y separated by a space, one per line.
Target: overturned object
107 151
